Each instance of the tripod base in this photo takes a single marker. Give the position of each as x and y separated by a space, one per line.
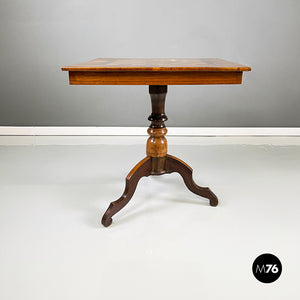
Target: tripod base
157 161
167 164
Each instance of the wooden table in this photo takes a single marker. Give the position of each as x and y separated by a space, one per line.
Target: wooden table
158 74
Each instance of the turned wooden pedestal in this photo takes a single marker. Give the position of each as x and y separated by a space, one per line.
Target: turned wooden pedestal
158 74
157 161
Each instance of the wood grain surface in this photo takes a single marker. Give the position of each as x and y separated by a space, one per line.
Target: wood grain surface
126 71
156 64
153 78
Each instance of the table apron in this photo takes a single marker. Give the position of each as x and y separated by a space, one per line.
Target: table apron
154 78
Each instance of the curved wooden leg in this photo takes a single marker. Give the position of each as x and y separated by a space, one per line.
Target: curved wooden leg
143 168
174 164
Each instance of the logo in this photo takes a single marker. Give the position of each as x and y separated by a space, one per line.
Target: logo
267 268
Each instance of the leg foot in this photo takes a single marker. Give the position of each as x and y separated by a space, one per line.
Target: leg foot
173 164
143 168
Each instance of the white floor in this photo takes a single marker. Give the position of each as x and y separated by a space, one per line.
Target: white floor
167 243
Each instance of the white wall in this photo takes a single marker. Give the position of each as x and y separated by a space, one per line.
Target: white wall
38 37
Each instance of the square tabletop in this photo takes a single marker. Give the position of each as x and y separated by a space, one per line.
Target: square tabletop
137 71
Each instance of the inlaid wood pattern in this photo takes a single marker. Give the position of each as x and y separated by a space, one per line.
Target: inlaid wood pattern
156 64
125 71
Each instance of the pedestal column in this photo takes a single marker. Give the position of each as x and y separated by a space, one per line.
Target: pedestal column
157 145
